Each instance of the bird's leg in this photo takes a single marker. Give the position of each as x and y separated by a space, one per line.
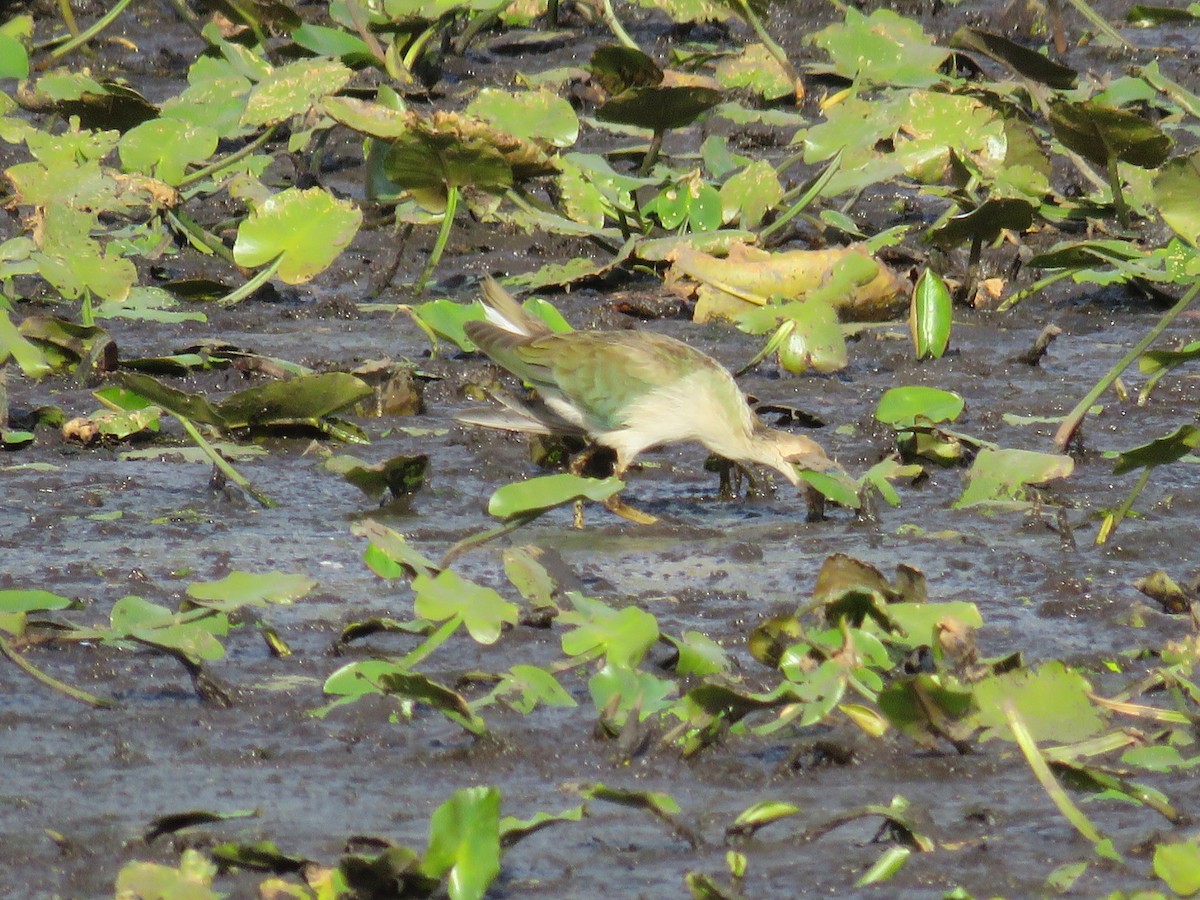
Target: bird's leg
815 501
578 464
614 504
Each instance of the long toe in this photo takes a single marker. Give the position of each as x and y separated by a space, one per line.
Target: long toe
615 505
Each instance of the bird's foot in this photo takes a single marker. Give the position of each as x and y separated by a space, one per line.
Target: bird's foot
615 505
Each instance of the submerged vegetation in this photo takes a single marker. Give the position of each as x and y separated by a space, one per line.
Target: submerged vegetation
802 192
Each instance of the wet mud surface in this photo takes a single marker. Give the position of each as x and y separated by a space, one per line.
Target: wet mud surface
81 785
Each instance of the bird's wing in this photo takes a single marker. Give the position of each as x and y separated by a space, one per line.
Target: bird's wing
504 311
605 373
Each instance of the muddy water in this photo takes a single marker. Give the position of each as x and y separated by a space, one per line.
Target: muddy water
98 527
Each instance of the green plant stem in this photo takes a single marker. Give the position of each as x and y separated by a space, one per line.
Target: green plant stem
431 643
1071 424
1039 285
84 36
1100 23
413 54
803 195
1118 195
6 649
610 19
474 540
773 48
443 238
68 17
651 156
219 164
1113 520
197 234
1042 772
223 464
260 278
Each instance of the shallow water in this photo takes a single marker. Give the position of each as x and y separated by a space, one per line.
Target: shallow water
98 777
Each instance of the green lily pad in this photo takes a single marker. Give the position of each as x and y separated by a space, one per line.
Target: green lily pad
1019 58
308 228
239 589
293 89
549 491
400 476
24 601
905 407
1096 132
619 69
757 70
883 48
985 222
1178 864
448 594
659 108
1052 701
165 148
1177 195
539 115
14 55
1000 476
749 194
1160 451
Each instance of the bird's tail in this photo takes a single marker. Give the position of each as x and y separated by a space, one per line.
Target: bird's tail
520 416
505 312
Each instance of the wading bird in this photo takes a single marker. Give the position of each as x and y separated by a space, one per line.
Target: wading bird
628 391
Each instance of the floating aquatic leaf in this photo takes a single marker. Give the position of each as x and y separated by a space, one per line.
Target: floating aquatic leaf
1096 132
293 89
1178 864
513 830
756 69
14 54
698 654
464 842
883 48
14 600
1177 195
448 594
28 355
1000 476
763 813
1021 59
749 194
905 407
690 204
984 223
1160 451
400 476
533 687
422 689
165 148
197 639
193 879
174 822
1052 701
659 108
239 589
624 636
538 115
389 554
549 491
308 228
